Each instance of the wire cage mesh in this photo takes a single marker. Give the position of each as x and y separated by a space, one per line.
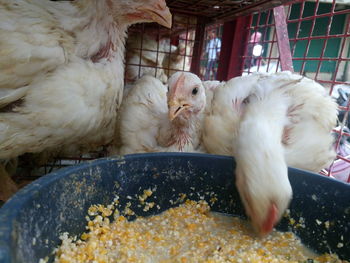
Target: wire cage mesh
318 34
319 40
160 52
211 52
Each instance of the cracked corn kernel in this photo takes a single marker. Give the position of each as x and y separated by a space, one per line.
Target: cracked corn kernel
186 234
84 236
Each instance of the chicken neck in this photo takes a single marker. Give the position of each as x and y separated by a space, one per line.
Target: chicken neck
184 132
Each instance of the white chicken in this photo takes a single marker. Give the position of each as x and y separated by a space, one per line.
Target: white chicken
270 67
210 87
61 70
268 121
145 56
155 120
177 60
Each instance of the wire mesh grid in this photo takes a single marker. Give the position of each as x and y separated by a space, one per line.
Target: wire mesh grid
153 50
211 52
221 10
319 38
32 166
261 53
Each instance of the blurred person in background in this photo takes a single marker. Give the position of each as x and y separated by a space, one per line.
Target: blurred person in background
213 51
254 50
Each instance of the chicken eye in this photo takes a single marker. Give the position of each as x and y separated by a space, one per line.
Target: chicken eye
195 91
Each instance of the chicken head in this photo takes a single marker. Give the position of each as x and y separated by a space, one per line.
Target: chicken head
186 95
262 171
144 11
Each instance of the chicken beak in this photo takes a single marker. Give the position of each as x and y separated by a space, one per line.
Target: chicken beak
176 108
157 12
270 221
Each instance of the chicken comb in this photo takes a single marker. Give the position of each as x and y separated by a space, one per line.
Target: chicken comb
180 83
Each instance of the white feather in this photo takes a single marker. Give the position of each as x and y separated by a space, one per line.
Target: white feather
144 123
61 73
144 107
145 57
268 121
261 172
177 60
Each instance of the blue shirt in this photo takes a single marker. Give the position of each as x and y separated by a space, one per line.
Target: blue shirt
213 46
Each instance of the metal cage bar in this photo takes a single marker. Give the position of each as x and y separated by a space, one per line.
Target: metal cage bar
319 40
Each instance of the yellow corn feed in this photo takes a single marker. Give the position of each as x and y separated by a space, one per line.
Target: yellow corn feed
188 233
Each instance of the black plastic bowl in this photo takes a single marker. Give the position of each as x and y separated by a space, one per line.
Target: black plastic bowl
30 223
